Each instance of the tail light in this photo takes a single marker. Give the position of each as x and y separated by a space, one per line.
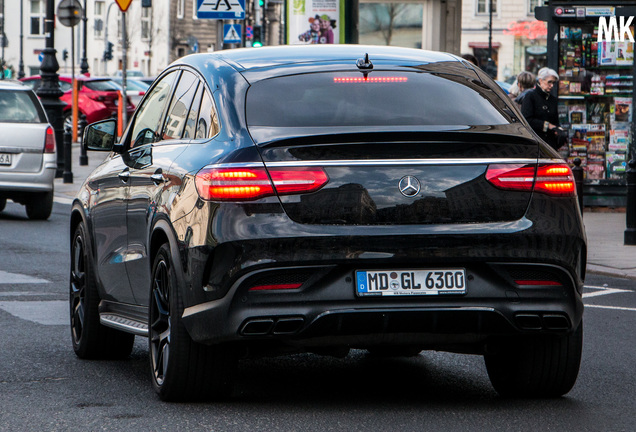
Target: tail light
49 141
552 179
274 287
238 184
525 282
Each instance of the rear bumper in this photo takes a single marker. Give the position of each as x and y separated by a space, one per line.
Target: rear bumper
26 182
248 247
325 311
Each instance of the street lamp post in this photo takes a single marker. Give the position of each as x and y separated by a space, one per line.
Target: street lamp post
106 35
489 65
3 41
49 91
84 62
21 64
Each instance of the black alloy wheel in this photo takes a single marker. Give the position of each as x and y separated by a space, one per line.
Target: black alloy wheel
160 322
181 369
91 340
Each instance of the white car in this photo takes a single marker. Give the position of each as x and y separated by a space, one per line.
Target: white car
135 89
27 151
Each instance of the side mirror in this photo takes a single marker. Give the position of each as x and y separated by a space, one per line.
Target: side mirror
100 136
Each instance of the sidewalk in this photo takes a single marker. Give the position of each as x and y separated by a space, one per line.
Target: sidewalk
605 230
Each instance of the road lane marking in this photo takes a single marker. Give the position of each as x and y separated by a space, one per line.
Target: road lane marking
17 278
54 312
23 293
62 200
604 291
610 307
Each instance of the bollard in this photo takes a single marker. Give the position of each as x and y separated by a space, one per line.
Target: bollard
630 214
83 159
68 140
577 171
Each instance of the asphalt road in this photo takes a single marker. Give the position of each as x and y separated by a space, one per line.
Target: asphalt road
44 387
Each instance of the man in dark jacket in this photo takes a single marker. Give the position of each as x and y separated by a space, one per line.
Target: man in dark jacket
539 107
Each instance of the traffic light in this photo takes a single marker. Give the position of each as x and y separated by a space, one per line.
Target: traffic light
257 37
108 52
64 54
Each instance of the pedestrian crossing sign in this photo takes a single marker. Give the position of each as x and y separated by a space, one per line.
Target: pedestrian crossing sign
221 9
232 33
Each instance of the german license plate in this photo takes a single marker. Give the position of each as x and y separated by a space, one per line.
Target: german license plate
410 282
5 158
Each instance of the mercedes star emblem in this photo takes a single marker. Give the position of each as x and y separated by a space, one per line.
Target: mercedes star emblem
409 186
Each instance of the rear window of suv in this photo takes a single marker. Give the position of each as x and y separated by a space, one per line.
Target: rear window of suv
102 85
382 99
20 107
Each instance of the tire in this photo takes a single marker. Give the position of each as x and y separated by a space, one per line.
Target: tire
68 121
91 340
39 206
3 203
181 369
542 366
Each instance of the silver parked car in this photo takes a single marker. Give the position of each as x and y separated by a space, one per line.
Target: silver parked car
27 151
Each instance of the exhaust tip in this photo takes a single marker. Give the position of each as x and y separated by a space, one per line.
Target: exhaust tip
257 327
288 325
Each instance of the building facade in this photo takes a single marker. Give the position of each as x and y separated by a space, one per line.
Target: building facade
169 29
518 39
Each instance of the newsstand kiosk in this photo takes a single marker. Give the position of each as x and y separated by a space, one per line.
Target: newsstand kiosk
596 97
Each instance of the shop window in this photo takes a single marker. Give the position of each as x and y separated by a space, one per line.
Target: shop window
488 66
595 96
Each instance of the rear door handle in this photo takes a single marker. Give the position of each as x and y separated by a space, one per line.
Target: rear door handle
124 176
157 178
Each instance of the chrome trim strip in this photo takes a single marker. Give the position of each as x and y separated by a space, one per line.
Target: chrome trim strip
237 165
18 150
392 162
385 162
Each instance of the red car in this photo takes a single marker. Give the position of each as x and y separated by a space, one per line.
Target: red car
97 97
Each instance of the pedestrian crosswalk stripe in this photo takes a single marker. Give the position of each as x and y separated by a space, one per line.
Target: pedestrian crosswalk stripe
42 312
16 278
611 307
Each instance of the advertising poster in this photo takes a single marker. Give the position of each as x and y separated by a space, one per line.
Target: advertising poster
315 22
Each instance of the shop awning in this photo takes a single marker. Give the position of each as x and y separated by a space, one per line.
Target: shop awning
483 45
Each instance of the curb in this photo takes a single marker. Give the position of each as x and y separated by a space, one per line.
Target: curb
610 271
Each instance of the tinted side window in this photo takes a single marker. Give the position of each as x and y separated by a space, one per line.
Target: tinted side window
191 123
180 106
102 85
65 86
208 124
148 120
34 83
